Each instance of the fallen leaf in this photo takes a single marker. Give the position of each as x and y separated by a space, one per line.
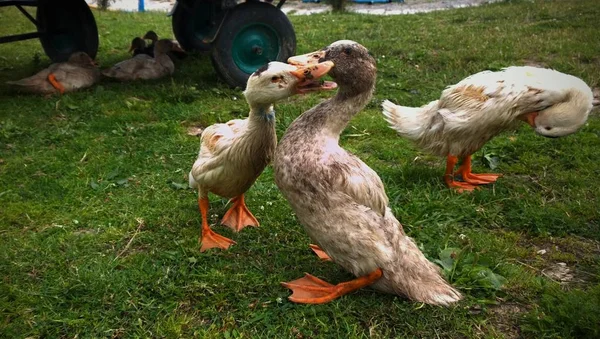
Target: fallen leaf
113 174
178 186
492 161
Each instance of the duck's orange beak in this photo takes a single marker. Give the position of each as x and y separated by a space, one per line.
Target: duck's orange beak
306 59
529 118
310 72
309 76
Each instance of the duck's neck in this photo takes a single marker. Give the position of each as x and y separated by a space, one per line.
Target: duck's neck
261 114
343 106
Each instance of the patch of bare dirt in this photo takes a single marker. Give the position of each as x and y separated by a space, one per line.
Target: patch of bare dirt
534 63
560 273
505 318
195 131
85 231
563 260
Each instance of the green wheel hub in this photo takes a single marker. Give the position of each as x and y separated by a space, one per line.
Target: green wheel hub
254 46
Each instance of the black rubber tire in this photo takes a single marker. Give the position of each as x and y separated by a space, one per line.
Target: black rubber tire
238 18
66 26
192 20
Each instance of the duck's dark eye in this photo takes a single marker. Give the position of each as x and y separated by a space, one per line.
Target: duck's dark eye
275 79
548 128
347 50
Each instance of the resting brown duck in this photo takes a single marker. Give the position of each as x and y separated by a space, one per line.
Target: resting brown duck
178 53
78 72
341 202
145 67
138 46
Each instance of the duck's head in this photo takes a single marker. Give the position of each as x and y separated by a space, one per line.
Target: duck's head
151 35
165 45
81 59
277 81
137 43
354 69
563 118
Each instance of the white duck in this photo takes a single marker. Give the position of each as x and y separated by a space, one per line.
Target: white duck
341 202
234 154
481 106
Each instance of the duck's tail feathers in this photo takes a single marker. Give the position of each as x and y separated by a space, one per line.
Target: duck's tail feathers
409 122
191 182
420 279
21 83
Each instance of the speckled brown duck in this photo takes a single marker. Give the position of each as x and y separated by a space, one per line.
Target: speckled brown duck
341 202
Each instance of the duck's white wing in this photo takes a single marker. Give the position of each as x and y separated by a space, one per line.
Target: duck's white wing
218 137
524 88
488 98
215 142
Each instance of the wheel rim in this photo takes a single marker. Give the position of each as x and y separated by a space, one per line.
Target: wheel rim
254 46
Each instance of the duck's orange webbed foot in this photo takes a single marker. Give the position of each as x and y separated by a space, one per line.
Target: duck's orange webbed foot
480 179
210 239
459 186
59 87
319 252
312 290
239 216
449 177
476 179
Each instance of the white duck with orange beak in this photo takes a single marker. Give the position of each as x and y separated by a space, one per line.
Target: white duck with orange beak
232 155
473 111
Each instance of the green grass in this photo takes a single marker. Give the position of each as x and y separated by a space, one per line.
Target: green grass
84 174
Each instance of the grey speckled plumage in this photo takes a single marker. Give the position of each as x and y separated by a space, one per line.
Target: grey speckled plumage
339 200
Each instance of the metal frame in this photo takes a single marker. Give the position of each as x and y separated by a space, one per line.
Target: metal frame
19 4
